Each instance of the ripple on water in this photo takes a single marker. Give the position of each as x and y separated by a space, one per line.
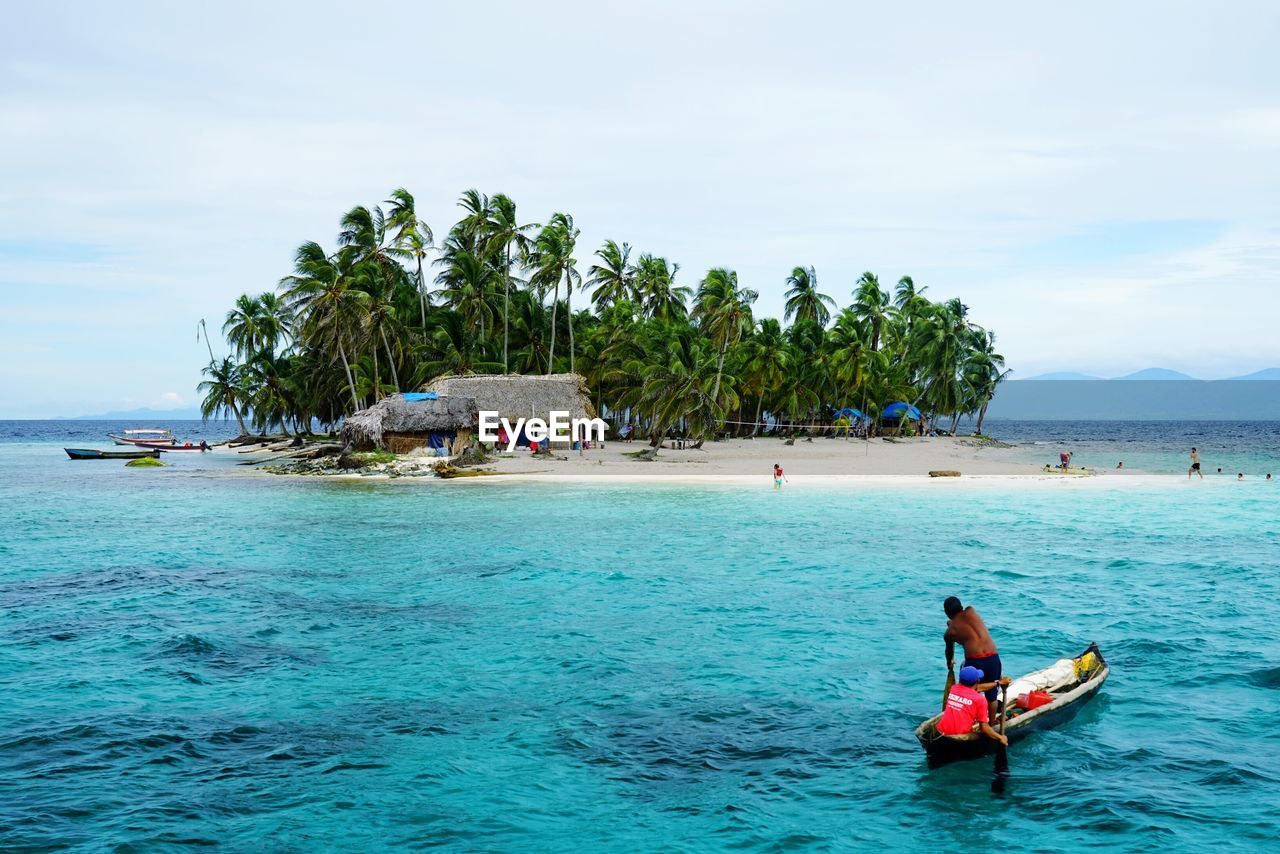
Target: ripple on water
680 668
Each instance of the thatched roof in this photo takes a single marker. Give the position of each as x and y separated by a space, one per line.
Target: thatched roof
394 414
518 396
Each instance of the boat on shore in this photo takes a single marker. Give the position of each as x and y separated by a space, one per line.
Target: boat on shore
1071 682
144 437
203 446
93 454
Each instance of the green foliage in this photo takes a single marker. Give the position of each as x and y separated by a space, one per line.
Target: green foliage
145 463
373 458
354 324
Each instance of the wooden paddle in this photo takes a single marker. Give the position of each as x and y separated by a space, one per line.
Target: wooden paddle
1002 752
951 680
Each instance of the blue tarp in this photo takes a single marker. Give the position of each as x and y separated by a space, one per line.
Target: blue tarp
415 396
848 412
441 439
895 411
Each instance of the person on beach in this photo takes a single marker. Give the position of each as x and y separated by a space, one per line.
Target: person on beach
1195 464
966 628
967 709
1120 464
1240 475
1064 460
778 476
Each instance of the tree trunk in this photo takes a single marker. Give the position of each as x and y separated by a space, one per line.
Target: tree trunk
506 309
235 410
568 310
555 303
422 299
377 380
715 394
395 377
982 413
351 380
755 425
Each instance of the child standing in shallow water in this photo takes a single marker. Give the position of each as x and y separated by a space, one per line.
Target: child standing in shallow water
778 476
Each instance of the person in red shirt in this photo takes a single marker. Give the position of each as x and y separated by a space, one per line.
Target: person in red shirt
966 707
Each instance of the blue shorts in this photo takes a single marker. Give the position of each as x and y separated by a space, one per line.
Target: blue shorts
990 667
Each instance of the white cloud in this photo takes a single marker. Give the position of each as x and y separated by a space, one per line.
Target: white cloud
168 400
193 150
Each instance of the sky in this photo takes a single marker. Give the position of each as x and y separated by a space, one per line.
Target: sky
1098 182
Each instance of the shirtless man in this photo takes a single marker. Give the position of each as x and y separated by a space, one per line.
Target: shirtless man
966 628
1195 464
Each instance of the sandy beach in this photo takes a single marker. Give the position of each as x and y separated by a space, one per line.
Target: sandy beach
756 457
816 462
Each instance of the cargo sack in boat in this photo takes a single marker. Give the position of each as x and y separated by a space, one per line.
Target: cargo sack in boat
1085 665
1034 700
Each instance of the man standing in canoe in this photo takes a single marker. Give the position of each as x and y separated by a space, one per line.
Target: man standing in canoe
966 628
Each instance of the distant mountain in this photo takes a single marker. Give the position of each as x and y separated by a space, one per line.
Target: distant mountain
1059 376
1156 374
1265 374
143 414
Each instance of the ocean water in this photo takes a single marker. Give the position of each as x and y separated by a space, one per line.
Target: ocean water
200 655
1251 448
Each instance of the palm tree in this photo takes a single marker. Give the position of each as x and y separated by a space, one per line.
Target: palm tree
380 323
243 326
614 277
657 291
476 206
648 347
223 391
942 340
723 311
872 306
275 321
506 233
984 370
467 283
767 363
412 240
804 302
321 293
453 348
553 261
366 231
270 398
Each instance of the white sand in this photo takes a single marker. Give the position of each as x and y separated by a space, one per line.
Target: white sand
820 463
750 460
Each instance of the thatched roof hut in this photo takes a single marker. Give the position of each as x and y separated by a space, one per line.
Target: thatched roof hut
515 396
399 425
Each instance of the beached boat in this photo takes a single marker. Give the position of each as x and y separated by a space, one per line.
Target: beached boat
1071 682
187 446
92 454
144 437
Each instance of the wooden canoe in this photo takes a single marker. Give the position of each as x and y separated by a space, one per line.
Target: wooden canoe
203 446
92 454
144 437
1068 699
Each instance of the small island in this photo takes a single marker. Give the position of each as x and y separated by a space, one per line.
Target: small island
388 336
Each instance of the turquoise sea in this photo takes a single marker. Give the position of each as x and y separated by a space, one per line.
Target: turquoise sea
199 655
